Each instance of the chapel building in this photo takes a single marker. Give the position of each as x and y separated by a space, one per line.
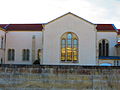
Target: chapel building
66 40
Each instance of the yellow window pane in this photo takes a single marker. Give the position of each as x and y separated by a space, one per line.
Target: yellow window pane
75 58
63 49
69 53
75 53
69 58
69 48
62 58
74 48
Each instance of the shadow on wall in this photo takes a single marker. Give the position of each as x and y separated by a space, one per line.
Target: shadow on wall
36 62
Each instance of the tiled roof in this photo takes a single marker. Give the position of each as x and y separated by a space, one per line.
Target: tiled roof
3 25
22 27
39 27
105 27
118 31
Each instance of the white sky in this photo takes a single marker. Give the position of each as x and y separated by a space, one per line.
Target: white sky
43 11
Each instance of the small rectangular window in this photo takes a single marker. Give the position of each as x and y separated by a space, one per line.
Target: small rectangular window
11 54
26 54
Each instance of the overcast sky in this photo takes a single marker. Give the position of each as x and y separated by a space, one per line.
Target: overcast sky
43 11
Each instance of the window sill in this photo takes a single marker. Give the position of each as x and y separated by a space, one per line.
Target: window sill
68 61
25 60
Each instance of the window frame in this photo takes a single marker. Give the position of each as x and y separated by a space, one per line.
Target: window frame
104 48
66 45
25 54
11 54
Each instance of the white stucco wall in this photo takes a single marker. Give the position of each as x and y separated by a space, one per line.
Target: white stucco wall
2 34
20 40
85 31
112 38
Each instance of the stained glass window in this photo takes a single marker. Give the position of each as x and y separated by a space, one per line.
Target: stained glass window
69 47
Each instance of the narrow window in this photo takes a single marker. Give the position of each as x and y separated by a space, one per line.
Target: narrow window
26 54
100 49
69 47
11 54
39 54
63 49
107 50
2 42
75 49
103 45
23 54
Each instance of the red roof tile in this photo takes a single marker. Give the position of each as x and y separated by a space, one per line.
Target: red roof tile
105 27
22 27
118 32
39 27
3 25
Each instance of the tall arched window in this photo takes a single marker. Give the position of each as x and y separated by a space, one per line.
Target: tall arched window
103 47
69 47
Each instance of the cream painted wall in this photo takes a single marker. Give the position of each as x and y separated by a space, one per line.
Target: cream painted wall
85 31
112 38
20 40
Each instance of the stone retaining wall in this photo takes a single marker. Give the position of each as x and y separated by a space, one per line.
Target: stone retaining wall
48 77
